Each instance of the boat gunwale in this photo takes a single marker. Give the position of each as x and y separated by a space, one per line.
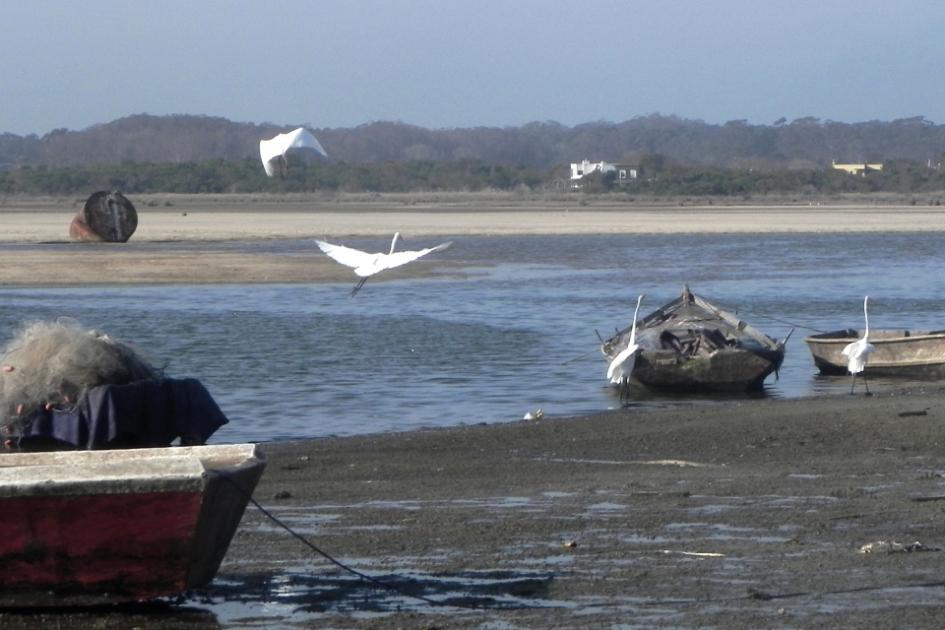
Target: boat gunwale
768 342
170 469
823 339
210 455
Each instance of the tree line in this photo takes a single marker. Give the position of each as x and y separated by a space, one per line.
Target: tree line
247 176
805 143
659 176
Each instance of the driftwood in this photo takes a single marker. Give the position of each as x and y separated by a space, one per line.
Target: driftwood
106 217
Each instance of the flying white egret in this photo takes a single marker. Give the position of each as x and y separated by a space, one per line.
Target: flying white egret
273 151
366 264
858 352
620 368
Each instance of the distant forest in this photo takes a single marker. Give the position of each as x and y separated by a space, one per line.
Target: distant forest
183 153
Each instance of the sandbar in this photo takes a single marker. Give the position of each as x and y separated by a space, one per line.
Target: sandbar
35 223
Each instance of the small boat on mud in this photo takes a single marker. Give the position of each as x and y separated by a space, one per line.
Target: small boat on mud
690 344
93 527
898 352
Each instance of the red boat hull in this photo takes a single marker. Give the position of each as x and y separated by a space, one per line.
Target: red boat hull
90 527
128 546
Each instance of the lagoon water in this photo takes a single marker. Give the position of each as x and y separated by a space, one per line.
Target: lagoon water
514 331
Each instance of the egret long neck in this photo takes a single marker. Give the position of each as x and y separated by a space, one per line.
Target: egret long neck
866 318
393 241
633 329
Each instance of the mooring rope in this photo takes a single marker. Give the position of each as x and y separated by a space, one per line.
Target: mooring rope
364 576
784 321
736 311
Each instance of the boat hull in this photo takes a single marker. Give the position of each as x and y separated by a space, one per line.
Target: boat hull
690 344
898 352
723 370
90 527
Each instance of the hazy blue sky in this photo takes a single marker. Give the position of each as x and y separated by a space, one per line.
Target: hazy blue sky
456 63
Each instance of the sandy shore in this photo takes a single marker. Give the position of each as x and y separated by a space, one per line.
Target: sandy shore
34 224
229 217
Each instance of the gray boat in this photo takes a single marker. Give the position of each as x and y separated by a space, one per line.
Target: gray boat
690 344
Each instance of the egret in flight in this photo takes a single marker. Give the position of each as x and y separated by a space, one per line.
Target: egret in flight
622 365
366 264
272 152
858 352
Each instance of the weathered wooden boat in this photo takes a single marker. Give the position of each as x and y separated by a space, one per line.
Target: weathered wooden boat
898 352
89 527
690 344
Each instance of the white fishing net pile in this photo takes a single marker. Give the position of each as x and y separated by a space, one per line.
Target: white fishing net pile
53 364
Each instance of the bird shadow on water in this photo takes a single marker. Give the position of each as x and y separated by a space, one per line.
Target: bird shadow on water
338 592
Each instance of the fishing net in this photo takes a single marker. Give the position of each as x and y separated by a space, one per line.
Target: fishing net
53 364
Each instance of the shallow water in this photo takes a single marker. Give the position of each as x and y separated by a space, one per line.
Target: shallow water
515 334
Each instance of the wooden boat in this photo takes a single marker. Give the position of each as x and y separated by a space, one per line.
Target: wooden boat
89 527
692 345
898 352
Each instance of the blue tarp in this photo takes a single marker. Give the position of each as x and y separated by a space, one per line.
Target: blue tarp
144 414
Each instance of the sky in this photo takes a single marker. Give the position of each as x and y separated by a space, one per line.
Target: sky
458 64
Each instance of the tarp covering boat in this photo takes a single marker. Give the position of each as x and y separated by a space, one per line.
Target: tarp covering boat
65 386
141 414
691 344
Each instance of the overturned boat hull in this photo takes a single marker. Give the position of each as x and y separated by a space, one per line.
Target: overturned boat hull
692 345
916 353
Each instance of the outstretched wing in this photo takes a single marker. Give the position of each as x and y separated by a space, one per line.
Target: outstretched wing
402 258
345 255
302 138
273 148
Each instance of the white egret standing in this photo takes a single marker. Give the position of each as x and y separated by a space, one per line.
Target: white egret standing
621 367
272 152
366 264
858 352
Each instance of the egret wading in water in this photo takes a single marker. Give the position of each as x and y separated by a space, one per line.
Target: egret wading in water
273 151
622 366
366 264
858 352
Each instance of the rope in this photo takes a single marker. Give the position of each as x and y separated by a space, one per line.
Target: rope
364 576
779 320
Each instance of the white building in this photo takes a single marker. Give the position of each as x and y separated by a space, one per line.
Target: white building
623 172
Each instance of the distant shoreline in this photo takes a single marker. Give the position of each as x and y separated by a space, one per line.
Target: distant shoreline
35 221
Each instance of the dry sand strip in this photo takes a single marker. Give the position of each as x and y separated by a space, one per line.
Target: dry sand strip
209 219
315 222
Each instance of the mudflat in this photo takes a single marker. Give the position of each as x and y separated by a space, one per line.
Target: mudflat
754 514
